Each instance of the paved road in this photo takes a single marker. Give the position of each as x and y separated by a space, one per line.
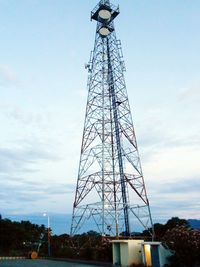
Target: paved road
40 263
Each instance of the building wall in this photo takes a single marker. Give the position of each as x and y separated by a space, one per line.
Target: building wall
135 251
164 254
116 253
127 252
124 254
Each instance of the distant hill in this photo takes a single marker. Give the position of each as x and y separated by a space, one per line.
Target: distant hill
194 223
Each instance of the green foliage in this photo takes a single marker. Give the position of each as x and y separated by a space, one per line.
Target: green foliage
161 229
176 222
17 238
184 241
88 246
186 244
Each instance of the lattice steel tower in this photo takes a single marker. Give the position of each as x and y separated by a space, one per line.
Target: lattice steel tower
110 195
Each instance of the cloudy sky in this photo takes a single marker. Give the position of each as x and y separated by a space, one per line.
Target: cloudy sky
43 48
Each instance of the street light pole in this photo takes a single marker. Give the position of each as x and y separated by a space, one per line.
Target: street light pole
49 238
49 234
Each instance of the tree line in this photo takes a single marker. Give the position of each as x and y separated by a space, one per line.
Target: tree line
19 238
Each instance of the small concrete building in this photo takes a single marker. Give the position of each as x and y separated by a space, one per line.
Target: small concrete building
127 252
155 254
151 254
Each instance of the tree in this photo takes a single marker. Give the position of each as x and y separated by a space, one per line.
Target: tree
18 238
92 233
176 222
161 229
186 244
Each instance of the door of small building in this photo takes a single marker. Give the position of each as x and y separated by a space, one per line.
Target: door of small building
117 254
155 256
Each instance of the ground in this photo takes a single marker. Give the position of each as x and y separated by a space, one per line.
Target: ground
40 263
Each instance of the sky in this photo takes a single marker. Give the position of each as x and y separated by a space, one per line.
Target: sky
43 48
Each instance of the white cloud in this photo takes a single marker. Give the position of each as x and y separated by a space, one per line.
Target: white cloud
169 163
8 76
191 93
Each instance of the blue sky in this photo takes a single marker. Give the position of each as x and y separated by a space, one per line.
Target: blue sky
43 48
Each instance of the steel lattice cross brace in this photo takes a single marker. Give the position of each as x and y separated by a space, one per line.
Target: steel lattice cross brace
110 195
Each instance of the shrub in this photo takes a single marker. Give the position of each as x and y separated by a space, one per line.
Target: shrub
186 244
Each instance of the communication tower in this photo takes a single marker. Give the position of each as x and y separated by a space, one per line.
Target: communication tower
110 196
